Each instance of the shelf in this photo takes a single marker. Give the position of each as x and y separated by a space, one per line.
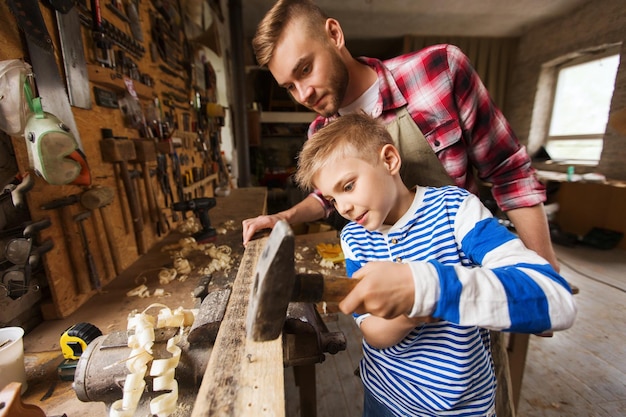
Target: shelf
113 80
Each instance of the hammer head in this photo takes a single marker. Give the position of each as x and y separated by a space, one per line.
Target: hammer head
145 150
97 197
117 150
273 285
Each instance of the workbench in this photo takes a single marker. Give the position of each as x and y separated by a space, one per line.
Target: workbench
243 378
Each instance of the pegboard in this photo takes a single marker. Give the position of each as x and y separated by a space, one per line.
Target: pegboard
157 65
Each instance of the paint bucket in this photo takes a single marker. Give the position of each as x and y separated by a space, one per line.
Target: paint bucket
12 368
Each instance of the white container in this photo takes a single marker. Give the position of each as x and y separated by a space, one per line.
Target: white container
12 368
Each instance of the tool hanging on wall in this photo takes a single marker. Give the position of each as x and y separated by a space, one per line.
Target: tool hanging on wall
13 107
50 86
72 49
132 11
94 277
52 148
164 181
145 150
70 238
97 199
104 52
119 152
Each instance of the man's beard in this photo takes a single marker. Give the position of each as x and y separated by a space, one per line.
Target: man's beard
338 84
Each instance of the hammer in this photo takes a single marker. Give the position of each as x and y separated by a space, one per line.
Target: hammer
72 245
93 271
96 199
120 151
145 150
276 284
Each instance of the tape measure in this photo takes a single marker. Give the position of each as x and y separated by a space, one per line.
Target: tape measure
74 340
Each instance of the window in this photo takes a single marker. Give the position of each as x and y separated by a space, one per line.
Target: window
580 108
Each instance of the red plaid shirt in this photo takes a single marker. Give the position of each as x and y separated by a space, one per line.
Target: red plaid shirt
453 109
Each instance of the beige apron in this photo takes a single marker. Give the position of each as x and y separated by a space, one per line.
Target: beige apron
420 165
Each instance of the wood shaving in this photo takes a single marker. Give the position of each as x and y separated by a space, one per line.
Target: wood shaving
224 227
160 292
140 291
182 266
220 258
190 226
167 275
141 339
327 263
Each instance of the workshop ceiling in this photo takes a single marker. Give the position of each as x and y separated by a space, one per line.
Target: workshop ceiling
377 19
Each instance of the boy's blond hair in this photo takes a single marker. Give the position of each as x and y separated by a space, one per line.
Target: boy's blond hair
353 135
276 20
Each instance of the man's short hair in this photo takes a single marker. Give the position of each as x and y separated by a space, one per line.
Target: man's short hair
277 18
354 135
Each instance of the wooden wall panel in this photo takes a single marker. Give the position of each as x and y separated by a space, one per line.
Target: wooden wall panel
65 296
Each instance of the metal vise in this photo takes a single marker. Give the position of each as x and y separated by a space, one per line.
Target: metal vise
306 338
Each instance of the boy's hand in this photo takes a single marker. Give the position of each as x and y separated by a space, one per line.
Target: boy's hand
386 290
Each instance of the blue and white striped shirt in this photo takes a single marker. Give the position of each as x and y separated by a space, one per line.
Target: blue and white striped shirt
474 275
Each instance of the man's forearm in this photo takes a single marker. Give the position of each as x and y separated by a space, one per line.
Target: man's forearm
531 225
308 210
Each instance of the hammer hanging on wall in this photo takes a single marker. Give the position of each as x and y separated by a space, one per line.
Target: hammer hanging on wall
120 151
72 244
96 199
91 264
146 153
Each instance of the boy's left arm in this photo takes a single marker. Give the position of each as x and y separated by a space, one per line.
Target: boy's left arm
511 288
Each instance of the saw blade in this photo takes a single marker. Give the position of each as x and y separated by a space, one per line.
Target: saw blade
74 62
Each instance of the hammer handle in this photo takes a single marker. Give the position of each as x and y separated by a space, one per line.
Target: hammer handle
135 210
111 240
73 247
150 196
313 288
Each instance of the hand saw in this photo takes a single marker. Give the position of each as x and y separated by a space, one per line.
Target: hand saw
50 85
71 38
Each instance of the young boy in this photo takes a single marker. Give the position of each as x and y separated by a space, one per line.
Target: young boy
469 275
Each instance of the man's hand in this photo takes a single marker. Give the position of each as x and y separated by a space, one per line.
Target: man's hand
251 226
307 210
386 290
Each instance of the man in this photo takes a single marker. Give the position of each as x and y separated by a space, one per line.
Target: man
437 110
305 52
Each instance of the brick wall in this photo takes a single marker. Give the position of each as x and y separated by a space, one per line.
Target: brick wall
597 23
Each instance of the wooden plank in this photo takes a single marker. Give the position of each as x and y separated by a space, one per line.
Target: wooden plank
243 377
